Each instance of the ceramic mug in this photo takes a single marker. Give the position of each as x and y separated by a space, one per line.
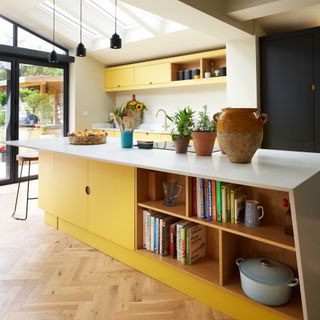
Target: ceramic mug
172 190
253 213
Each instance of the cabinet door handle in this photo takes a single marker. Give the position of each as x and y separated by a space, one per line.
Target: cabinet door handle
88 191
150 82
312 87
118 85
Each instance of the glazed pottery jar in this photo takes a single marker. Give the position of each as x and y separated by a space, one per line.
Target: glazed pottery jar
240 133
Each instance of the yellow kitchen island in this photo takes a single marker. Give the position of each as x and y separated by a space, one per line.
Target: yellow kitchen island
97 194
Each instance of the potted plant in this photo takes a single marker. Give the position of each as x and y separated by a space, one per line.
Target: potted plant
204 133
181 132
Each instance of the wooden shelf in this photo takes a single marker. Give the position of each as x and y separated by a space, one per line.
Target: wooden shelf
270 234
205 269
178 211
291 310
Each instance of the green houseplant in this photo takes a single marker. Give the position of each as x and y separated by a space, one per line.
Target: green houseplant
182 121
204 133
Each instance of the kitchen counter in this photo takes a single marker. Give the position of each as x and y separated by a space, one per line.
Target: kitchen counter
97 217
271 169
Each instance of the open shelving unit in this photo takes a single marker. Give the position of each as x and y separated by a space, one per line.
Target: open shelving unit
225 241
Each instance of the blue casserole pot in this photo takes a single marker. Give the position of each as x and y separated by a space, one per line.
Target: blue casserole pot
267 281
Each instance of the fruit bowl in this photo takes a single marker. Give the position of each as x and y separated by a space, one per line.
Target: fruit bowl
87 137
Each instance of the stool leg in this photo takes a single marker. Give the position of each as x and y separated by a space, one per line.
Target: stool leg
27 192
17 196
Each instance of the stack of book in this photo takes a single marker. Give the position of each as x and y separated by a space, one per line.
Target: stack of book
167 235
217 201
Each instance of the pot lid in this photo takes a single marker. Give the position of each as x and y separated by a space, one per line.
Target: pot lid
266 271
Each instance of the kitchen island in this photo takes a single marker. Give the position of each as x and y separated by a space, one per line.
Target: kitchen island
98 195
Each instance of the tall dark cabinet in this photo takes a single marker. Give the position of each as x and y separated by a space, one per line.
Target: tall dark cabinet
290 84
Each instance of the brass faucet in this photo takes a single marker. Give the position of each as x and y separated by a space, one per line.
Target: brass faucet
165 125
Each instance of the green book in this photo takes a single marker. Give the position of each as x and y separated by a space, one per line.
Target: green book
219 200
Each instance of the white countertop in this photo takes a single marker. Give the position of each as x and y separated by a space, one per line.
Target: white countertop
144 127
274 169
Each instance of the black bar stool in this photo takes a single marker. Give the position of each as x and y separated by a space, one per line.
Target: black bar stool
24 157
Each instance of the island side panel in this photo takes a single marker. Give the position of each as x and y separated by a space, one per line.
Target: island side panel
305 208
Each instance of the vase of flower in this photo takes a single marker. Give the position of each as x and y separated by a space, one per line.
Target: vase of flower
135 108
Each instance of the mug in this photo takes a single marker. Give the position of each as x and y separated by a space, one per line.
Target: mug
126 139
172 190
252 215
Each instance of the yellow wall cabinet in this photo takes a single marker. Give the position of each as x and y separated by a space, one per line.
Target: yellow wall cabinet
119 78
162 73
153 74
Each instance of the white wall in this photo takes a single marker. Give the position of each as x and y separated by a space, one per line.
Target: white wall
242 73
214 96
88 101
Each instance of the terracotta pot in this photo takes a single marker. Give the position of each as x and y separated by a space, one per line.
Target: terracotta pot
181 144
203 142
240 133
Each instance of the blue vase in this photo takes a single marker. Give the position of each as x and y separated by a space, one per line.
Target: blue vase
126 139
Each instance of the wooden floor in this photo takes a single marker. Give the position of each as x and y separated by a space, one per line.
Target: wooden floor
47 275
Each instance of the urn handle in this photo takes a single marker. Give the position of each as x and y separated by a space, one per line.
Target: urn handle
263 117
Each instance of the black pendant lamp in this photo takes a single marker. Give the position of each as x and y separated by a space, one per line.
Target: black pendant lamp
53 57
115 41
81 50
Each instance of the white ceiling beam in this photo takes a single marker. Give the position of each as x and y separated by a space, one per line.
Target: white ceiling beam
245 10
200 15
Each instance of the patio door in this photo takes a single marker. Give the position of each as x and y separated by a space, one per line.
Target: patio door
32 104
5 99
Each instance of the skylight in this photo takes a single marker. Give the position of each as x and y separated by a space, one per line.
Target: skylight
48 6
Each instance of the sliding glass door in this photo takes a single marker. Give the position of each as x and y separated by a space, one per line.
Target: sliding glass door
5 98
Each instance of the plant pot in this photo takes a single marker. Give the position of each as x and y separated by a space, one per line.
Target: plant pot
203 142
240 133
181 144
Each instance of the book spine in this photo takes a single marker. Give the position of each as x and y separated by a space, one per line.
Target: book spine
206 199
188 240
213 201
144 229
194 196
209 215
148 231
218 201
199 197
161 223
179 242
232 215
228 203
224 202
172 229
156 234
152 234
183 245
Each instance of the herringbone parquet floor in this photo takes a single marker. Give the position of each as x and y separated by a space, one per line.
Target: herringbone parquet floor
46 275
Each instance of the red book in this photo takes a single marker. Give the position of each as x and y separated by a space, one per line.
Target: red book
173 249
214 201
194 196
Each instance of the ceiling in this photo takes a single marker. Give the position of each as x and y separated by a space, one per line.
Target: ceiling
152 29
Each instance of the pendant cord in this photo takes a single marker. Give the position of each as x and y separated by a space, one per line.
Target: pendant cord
54 22
115 17
81 21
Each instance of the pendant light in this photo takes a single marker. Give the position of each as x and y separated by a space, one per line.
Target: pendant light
53 57
81 50
115 41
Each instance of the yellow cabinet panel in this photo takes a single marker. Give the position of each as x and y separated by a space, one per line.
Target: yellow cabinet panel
118 78
70 181
146 136
46 191
153 74
111 202
166 137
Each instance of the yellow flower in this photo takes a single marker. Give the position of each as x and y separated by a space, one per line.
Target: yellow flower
133 103
139 106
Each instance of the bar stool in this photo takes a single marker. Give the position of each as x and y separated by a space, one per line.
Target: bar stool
24 157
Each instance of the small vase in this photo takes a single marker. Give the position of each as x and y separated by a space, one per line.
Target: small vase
126 139
181 144
240 133
203 142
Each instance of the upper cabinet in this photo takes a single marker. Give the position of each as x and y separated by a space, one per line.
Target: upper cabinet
152 74
118 78
193 69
